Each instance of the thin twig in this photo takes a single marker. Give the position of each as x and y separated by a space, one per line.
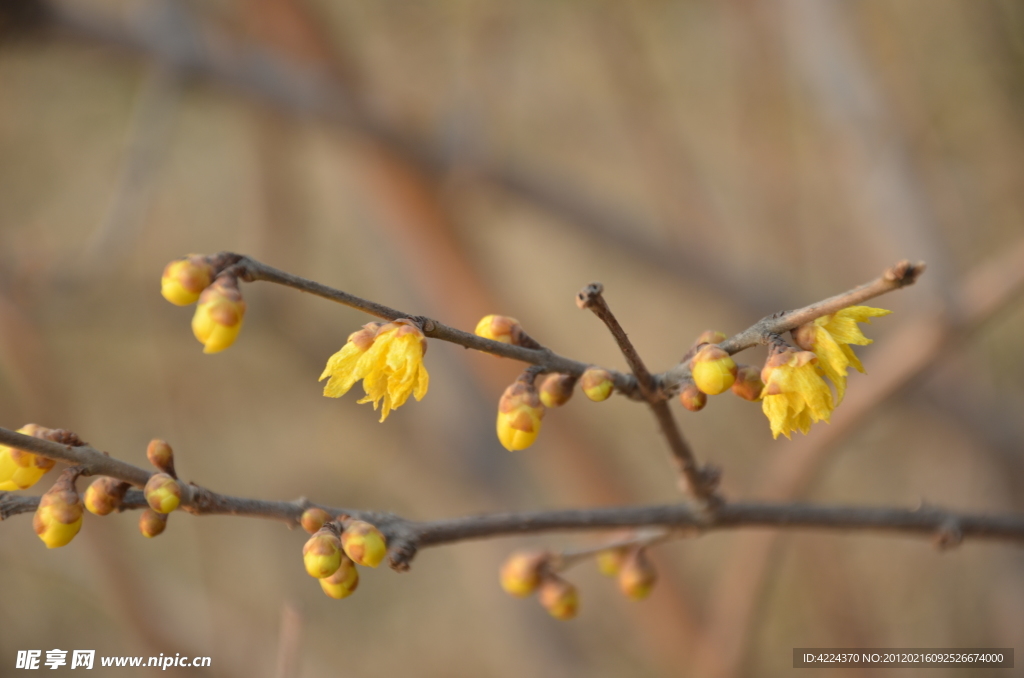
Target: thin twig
701 482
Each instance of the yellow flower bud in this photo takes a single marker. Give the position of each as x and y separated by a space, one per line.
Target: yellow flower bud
520 575
748 384
499 328
713 370
610 562
161 456
556 389
104 495
185 279
322 554
710 337
20 470
559 597
152 524
597 384
692 397
364 543
343 582
219 315
519 415
59 515
637 576
314 518
163 493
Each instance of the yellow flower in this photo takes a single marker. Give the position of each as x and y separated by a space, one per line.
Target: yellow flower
829 337
219 315
185 279
794 395
20 470
520 411
389 360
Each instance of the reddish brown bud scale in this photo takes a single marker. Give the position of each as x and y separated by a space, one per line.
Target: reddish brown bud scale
748 384
520 575
152 524
313 519
637 576
692 398
556 389
161 456
558 597
104 495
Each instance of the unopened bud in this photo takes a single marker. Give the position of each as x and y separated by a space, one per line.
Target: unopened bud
520 575
710 337
692 397
185 279
322 554
314 518
804 336
597 384
637 576
104 495
520 411
163 493
20 470
343 582
151 523
713 370
556 389
364 543
748 384
558 597
161 456
499 328
59 515
610 562
219 315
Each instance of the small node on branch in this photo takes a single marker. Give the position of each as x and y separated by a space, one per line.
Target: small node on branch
948 535
588 295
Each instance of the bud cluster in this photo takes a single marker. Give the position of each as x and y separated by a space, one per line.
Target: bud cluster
528 572
713 371
633 569
336 547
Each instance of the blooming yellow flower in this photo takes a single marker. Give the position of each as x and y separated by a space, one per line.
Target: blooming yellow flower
389 360
829 337
20 470
794 394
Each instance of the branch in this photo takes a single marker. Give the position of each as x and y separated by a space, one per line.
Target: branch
701 482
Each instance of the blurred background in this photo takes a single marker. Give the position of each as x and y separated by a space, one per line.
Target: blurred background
710 163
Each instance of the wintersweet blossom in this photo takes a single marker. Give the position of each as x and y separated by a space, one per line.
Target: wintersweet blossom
794 394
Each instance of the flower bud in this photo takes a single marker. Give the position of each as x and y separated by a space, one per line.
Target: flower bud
597 384
184 279
637 576
314 518
151 523
692 397
163 493
804 335
59 515
748 384
104 495
219 315
610 562
20 470
322 554
343 582
364 543
520 575
161 456
499 328
558 597
713 370
520 411
710 337
556 389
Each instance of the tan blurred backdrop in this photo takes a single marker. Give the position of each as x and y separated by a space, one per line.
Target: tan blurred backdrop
708 162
